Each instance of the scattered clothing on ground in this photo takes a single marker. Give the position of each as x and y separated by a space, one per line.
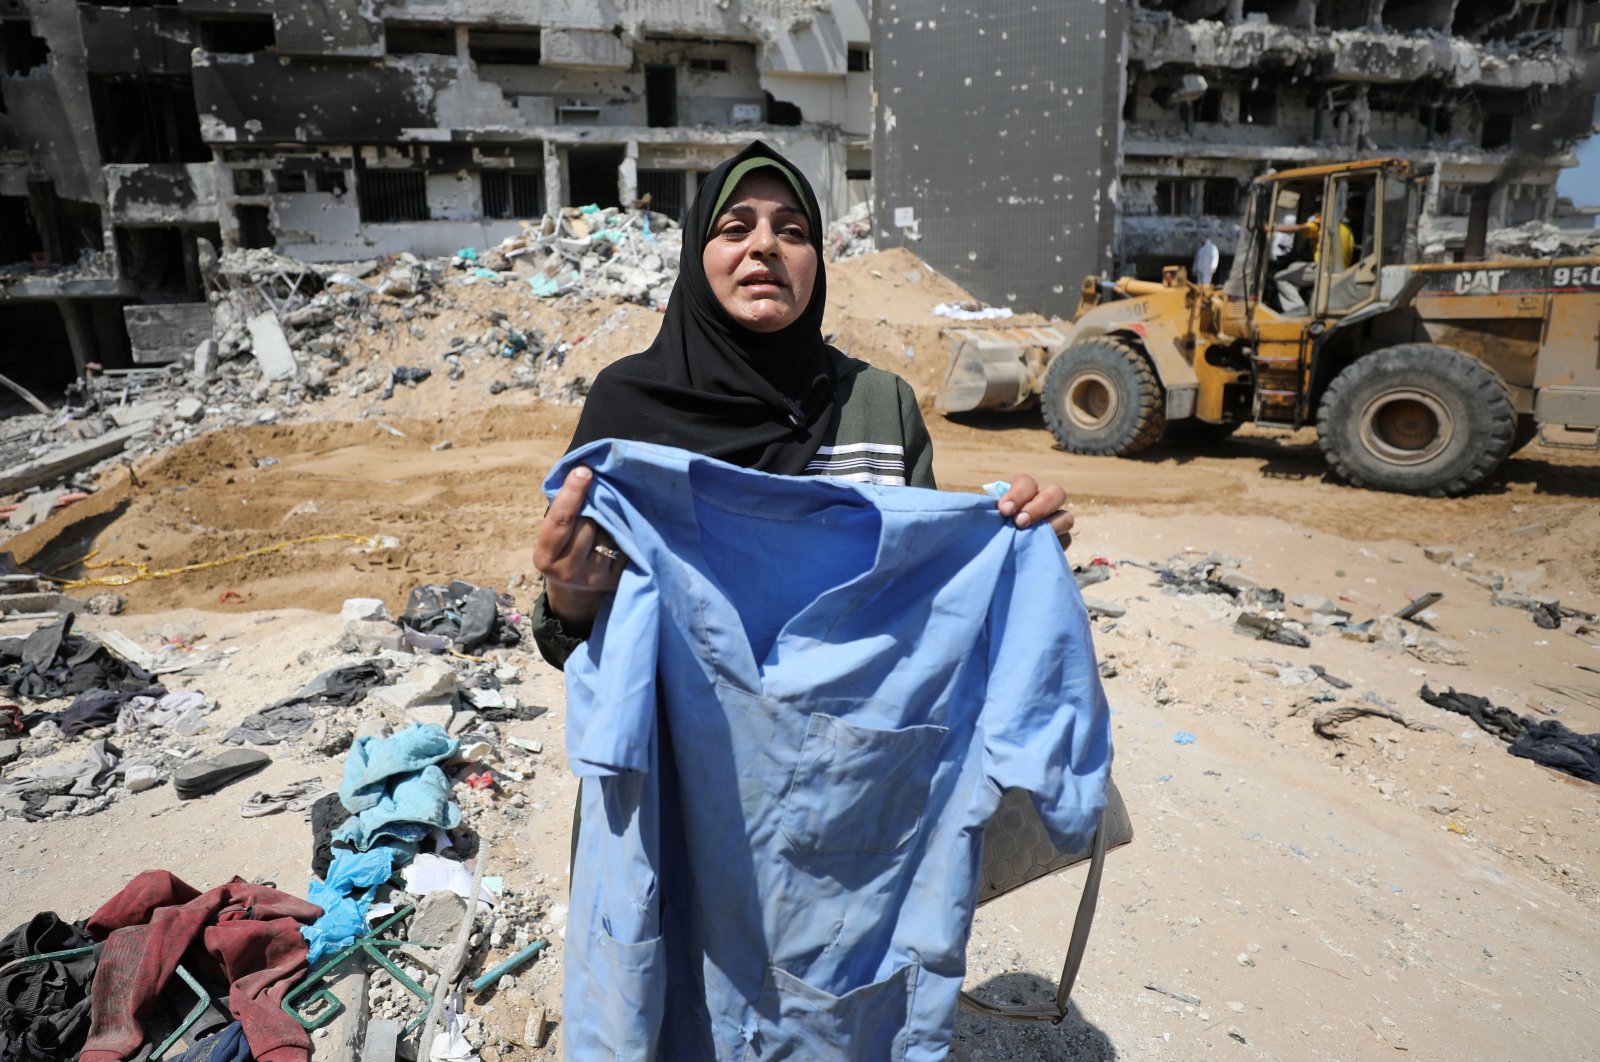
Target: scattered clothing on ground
241 935
29 792
470 616
1546 741
344 896
229 1045
44 1006
53 662
271 725
181 712
347 685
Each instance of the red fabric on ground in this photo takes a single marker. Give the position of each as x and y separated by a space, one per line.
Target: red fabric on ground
245 935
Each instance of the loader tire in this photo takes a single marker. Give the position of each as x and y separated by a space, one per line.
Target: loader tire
1102 397
1417 419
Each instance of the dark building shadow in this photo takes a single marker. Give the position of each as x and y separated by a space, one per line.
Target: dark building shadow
1075 1038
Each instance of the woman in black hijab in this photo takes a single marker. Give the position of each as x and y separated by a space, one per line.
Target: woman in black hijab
740 372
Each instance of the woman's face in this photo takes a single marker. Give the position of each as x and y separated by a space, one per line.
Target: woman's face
759 257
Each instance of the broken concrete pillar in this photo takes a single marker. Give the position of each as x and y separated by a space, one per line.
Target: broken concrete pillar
80 336
205 361
628 175
555 177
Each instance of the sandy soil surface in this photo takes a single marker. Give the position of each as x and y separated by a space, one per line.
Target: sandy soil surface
1400 888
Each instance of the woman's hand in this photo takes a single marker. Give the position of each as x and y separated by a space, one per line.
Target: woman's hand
1027 503
580 562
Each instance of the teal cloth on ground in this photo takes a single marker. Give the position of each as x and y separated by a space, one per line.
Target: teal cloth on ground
394 788
344 897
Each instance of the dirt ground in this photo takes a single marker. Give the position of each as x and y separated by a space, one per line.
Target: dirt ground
1398 889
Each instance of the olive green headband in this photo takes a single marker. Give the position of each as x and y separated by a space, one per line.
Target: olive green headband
735 175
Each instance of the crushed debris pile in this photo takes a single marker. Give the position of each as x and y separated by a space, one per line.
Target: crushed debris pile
851 234
398 852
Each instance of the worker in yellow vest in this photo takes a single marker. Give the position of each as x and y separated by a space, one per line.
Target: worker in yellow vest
1295 280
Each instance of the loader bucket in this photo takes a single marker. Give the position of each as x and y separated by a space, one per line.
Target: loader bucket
997 368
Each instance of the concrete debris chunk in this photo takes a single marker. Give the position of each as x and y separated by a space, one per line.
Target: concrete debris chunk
189 409
271 347
363 608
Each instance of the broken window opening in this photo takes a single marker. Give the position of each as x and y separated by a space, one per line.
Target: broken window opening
1410 16
291 181
249 182
1258 107
1525 203
20 50
665 189
1531 22
1455 200
1208 108
68 227
402 38
782 112
146 119
238 36
661 96
255 226
858 60
156 256
331 181
1296 13
503 47
1345 14
389 196
1220 196
48 365
1497 130
512 193
19 237
592 174
708 65
1436 120
1169 196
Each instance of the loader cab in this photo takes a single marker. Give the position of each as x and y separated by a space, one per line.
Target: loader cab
1315 242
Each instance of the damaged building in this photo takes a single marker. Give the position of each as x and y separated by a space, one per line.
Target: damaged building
1016 146
137 138
998 133
1487 96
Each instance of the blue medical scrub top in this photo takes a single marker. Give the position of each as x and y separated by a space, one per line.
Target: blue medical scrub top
792 722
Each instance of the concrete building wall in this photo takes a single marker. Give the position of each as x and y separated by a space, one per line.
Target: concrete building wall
997 142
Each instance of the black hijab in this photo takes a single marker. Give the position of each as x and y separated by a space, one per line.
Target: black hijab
710 385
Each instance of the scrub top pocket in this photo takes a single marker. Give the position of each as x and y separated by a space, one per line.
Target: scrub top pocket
859 789
807 1024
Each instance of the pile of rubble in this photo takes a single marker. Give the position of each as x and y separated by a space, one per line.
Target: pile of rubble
283 330
627 255
851 234
418 709
1540 239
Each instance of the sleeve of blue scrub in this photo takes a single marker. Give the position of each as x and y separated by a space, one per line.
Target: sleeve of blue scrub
612 726
1045 723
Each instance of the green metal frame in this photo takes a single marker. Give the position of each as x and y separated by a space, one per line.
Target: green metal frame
203 1001
313 990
